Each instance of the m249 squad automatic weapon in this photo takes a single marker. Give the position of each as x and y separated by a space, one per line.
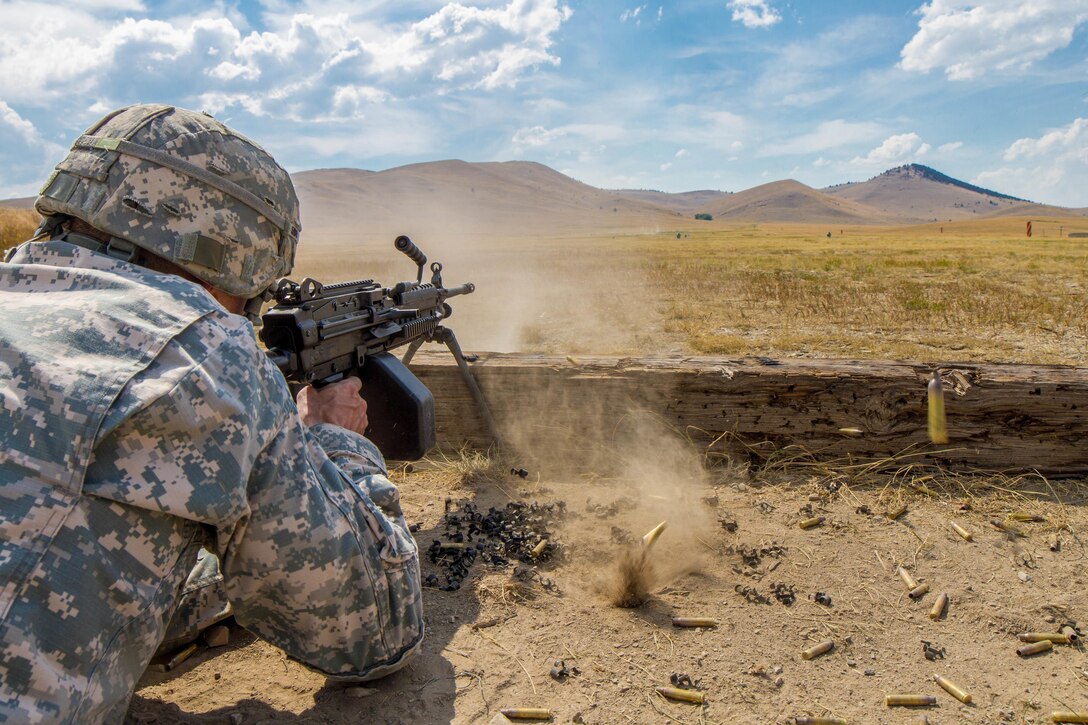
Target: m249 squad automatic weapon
318 334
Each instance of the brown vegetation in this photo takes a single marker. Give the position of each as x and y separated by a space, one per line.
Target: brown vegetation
16 226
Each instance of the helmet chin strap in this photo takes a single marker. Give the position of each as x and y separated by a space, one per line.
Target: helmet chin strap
56 227
254 305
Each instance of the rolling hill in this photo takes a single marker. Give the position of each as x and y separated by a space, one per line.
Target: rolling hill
916 193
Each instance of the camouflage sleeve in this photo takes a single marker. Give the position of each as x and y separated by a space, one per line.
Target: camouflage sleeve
315 553
323 565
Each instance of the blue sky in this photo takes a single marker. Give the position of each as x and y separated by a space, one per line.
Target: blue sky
677 96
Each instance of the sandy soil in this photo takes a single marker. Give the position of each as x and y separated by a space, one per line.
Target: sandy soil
492 643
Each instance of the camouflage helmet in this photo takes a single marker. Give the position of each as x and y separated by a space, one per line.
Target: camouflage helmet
186 188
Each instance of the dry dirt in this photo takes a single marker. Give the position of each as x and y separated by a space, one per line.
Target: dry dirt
492 643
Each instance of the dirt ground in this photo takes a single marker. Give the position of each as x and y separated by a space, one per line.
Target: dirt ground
492 643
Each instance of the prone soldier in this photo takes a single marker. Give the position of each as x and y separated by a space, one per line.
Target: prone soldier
140 421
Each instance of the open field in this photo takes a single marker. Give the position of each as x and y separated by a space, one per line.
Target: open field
963 291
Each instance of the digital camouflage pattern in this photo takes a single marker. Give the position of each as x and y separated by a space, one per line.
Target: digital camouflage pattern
186 188
139 421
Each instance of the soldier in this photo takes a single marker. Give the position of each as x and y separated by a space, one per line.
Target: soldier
139 421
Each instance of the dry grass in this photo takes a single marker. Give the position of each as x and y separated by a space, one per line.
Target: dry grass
16 226
974 291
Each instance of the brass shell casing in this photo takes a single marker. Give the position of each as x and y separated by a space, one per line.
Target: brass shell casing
909 700
818 649
964 533
1035 648
526 713
939 605
953 689
1068 716
1054 637
676 693
812 522
907 578
919 591
693 622
651 535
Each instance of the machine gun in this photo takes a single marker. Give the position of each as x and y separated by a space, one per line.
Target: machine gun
318 334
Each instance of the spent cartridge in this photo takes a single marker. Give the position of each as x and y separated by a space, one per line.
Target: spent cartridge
812 522
910 700
1029 518
907 578
1035 648
1068 716
953 689
651 535
1006 527
896 513
939 605
919 591
1053 637
694 622
180 657
677 693
526 713
938 425
964 533
818 649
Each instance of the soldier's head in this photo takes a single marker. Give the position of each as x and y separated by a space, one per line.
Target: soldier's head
157 184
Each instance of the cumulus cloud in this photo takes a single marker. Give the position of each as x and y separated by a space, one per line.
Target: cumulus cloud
487 47
1053 166
754 13
969 38
900 148
1058 144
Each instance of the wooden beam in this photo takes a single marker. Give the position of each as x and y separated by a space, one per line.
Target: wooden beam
1012 418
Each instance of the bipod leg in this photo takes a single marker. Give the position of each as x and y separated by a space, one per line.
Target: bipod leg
450 339
412 350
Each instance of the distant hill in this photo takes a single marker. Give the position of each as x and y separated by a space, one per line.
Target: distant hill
916 193
521 199
687 202
464 199
26 202
792 201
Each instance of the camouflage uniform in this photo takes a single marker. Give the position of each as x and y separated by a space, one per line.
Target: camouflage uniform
139 421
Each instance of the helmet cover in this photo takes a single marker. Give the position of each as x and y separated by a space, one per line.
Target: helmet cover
186 188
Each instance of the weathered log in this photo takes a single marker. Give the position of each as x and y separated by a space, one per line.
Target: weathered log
1003 417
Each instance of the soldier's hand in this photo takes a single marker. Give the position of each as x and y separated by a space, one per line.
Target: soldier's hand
338 404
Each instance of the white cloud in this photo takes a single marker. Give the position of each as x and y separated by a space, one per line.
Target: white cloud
895 149
489 46
1058 144
947 148
681 153
827 135
575 136
1053 166
968 39
666 166
754 13
632 14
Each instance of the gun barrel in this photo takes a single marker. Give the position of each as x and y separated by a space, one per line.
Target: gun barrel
466 288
